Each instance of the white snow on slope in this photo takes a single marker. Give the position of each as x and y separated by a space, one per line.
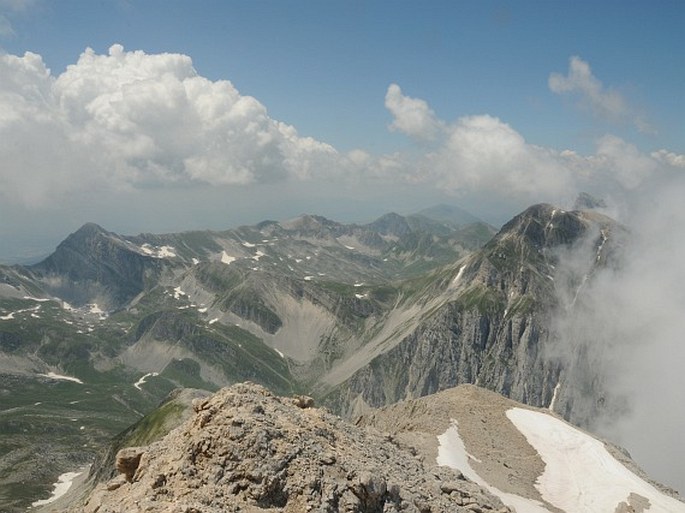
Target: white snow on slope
38 299
141 381
158 252
195 261
178 292
456 279
226 258
7 317
94 309
580 475
61 487
249 245
258 255
166 252
61 377
452 453
553 402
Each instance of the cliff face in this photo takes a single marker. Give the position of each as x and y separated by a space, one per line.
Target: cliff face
496 327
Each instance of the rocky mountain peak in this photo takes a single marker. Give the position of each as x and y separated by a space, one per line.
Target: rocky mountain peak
391 224
93 265
309 223
245 449
544 226
449 214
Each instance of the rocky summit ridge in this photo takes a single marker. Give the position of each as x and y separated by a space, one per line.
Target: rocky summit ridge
466 449
245 449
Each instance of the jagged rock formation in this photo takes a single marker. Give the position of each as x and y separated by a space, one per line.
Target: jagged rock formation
247 450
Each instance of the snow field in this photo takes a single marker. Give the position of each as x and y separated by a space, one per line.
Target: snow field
581 476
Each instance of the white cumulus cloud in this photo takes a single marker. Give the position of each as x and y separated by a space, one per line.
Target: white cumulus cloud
482 154
605 103
130 120
669 158
412 116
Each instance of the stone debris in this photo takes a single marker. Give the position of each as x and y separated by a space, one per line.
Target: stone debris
247 450
128 460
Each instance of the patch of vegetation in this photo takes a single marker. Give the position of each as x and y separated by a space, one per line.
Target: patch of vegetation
483 299
186 373
153 426
522 305
248 305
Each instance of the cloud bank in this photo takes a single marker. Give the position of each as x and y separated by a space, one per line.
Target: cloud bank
131 120
623 336
483 154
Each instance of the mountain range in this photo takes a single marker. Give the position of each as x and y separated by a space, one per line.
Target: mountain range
357 316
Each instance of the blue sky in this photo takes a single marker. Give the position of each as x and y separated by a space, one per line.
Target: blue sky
325 68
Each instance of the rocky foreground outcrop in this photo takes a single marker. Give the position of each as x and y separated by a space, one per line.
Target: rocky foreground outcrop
247 450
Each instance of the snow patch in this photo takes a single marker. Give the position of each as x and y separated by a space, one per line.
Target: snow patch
601 245
308 278
158 252
456 279
202 310
360 284
94 309
580 474
213 320
60 488
7 317
249 245
141 381
361 296
61 377
178 293
258 255
554 396
226 258
452 453
195 261
279 353
349 247
39 299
